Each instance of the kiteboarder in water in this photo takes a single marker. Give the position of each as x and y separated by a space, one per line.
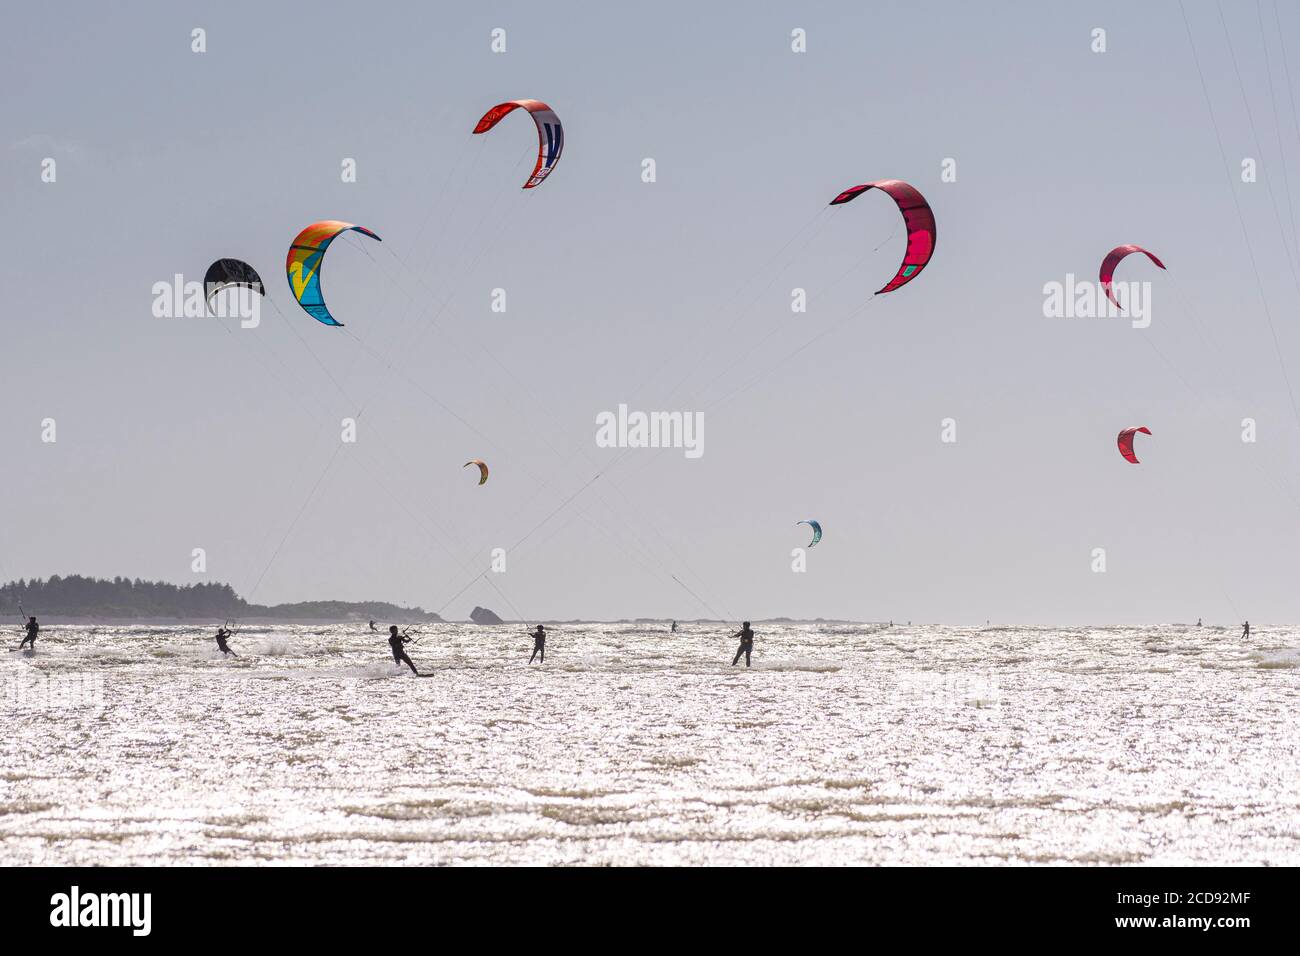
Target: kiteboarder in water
674 628
1245 631
746 644
32 630
372 625
539 643
222 635
395 641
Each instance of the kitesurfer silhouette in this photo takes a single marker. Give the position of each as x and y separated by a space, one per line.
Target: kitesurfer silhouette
746 644
32 630
395 641
222 635
1245 631
539 643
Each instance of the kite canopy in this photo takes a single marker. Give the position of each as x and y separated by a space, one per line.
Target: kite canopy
917 215
225 273
1112 260
550 135
482 468
816 529
1125 442
304 261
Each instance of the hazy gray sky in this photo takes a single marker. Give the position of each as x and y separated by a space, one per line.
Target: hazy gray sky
176 433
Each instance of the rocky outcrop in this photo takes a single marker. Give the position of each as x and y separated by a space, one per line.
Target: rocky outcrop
481 615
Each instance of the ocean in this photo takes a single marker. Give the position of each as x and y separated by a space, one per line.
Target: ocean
843 744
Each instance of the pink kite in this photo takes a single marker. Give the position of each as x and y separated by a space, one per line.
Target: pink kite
1125 442
1112 260
919 219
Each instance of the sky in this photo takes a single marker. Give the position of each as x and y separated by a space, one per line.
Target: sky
175 434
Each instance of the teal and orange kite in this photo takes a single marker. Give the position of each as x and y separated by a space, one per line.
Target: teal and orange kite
304 262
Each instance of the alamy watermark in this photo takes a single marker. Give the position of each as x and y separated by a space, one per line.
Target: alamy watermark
192 300
130 910
948 692
29 688
624 429
1085 299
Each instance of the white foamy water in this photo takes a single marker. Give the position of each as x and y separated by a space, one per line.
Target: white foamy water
843 744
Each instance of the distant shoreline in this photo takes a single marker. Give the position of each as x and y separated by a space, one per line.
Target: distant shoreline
53 620
122 601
